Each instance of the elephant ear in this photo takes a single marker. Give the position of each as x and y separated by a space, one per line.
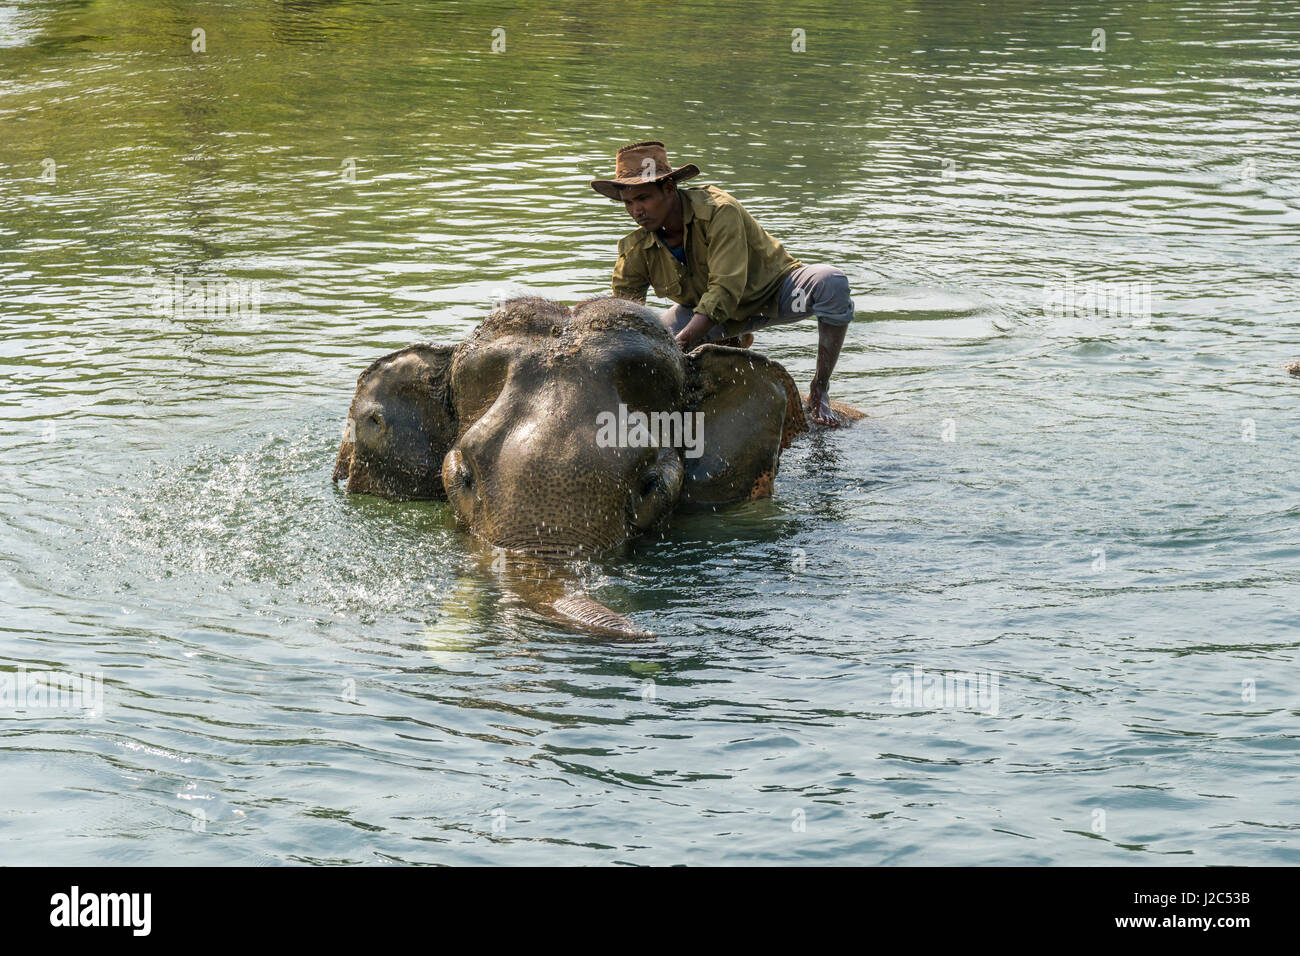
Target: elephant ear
752 412
423 388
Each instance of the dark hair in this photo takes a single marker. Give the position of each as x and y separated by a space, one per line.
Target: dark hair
658 182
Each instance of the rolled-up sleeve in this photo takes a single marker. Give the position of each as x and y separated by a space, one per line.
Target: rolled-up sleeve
631 276
728 265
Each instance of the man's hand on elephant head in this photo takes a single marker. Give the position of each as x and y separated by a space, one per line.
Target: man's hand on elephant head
694 332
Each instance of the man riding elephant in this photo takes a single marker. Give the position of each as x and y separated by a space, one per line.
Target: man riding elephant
701 249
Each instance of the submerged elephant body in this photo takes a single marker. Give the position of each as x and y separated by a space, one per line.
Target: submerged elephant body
563 433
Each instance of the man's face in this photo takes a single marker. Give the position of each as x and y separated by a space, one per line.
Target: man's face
649 204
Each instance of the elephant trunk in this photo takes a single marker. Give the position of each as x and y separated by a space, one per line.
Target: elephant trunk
588 615
546 588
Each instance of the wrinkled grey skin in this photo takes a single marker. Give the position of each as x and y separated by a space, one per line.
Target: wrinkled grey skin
504 426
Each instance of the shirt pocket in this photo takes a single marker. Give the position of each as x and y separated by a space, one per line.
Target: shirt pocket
668 287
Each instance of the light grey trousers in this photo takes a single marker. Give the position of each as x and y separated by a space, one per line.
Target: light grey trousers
821 290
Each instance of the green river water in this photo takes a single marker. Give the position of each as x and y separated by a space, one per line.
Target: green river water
1095 508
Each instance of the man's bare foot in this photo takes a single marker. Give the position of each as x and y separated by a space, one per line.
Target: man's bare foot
819 407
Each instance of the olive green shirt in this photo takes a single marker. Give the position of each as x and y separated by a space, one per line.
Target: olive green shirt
733 269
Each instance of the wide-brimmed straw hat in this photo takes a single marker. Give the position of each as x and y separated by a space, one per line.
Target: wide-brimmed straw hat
642 163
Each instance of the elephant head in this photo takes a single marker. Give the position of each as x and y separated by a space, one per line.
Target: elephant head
559 432
399 426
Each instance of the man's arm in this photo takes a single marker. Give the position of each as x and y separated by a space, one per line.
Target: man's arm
694 331
728 262
631 277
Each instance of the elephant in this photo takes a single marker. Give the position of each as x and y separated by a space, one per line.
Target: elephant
558 433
